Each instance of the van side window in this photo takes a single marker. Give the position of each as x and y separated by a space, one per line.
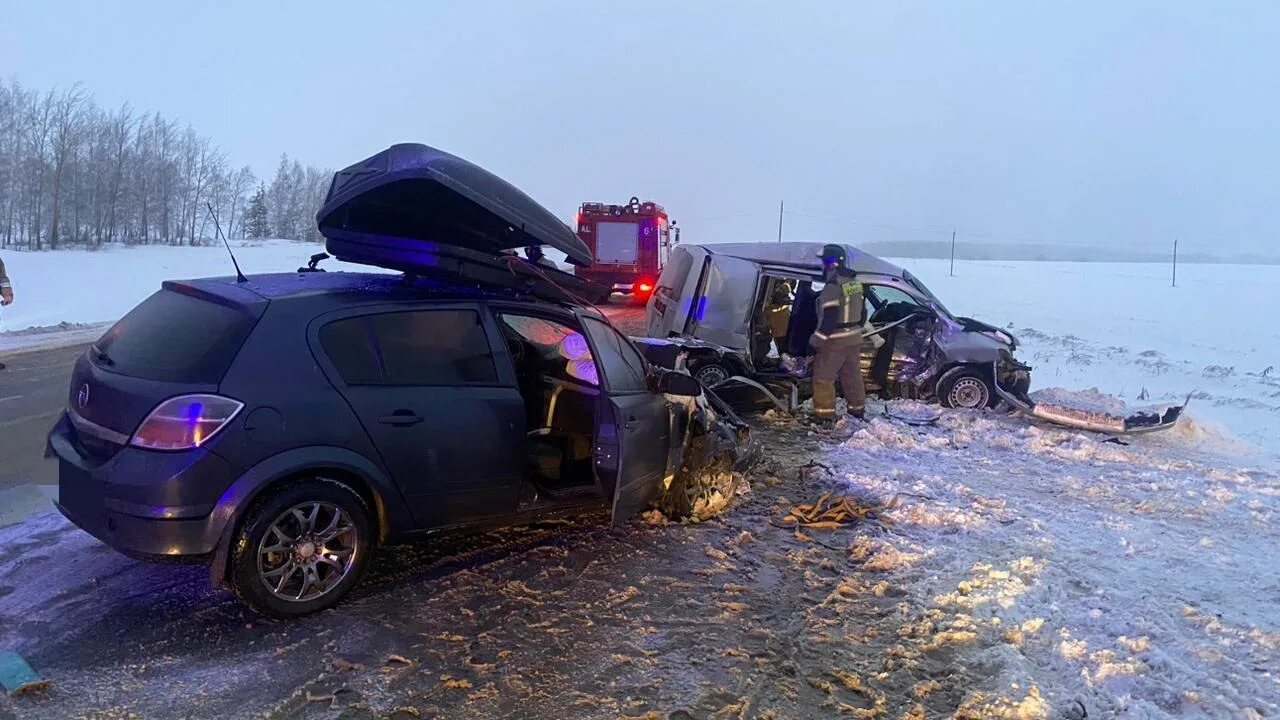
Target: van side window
676 270
886 294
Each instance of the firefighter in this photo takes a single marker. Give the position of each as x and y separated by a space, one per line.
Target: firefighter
838 339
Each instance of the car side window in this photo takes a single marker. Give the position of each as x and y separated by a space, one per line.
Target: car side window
349 345
414 348
549 348
623 366
433 347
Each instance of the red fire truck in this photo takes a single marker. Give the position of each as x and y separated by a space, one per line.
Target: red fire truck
629 245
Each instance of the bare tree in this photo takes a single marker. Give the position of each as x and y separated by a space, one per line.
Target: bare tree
68 121
72 173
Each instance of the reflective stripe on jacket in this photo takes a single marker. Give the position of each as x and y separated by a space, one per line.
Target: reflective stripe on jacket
841 311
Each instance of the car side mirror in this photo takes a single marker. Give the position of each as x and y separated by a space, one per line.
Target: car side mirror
679 384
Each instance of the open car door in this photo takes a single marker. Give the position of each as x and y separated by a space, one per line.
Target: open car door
633 434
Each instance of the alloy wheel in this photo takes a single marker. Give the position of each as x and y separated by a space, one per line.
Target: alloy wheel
307 551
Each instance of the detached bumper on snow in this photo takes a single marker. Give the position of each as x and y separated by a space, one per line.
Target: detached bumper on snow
1134 422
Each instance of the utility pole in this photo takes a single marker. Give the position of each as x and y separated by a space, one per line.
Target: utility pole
781 205
953 253
1175 262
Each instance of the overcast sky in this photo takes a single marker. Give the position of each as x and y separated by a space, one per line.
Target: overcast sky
1122 123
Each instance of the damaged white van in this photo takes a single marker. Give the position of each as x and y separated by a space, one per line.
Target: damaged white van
742 313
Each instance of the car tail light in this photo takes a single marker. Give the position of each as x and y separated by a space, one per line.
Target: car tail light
185 422
645 287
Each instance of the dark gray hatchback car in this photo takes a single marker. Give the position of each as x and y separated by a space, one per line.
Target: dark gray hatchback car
280 427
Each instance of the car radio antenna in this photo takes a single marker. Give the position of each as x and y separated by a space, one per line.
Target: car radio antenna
218 226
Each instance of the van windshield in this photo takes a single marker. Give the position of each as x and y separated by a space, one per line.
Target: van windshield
920 287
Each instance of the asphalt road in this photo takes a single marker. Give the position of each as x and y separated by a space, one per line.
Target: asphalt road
33 390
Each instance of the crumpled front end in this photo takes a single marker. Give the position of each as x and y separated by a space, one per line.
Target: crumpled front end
711 451
1012 373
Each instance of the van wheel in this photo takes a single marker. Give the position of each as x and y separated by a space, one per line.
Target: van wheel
302 548
711 374
965 387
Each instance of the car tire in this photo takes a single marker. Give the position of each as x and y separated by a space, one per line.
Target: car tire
966 387
710 373
301 548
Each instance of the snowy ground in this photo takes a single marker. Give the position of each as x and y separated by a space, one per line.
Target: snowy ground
1010 570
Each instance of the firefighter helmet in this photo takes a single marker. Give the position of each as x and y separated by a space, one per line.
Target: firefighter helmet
834 255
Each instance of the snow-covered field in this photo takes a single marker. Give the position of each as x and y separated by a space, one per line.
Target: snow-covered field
76 286
1123 329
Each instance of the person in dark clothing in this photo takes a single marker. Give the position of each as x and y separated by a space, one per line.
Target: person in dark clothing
6 292
533 254
838 339
803 320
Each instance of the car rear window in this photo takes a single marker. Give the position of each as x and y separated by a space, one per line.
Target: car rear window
173 337
420 347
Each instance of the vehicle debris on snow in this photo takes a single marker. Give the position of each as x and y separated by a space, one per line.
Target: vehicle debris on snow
1093 410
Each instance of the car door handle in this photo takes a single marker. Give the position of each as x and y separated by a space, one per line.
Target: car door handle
401 418
630 423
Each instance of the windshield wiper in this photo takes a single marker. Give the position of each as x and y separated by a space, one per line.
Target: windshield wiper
101 357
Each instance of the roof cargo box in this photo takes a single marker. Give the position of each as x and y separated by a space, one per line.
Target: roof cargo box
410 206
